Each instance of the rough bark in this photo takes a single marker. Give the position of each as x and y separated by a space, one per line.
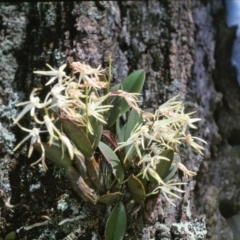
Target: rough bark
184 47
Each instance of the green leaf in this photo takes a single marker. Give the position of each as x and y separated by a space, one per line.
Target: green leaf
163 167
11 236
109 198
176 157
136 189
172 170
54 154
97 132
114 112
120 131
116 87
132 84
117 223
77 136
132 120
125 132
154 176
171 173
129 206
111 156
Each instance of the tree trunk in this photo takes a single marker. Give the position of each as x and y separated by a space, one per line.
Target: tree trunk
184 47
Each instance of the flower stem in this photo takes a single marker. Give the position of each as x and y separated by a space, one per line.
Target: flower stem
87 99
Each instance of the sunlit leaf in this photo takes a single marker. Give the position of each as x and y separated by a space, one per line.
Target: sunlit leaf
132 84
109 198
136 189
117 223
111 157
114 111
116 87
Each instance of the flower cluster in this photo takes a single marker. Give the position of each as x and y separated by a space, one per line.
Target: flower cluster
68 97
162 130
86 95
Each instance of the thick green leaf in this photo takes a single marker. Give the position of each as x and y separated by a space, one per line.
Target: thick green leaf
116 87
172 170
163 167
77 136
110 137
176 158
111 156
11 236
97 132
54 154
114 112
136 189
132 120
154 177
120 131
132 84
171 173
125 132
129 206
109 198
117 223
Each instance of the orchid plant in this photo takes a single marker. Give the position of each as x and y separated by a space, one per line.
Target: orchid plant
81 114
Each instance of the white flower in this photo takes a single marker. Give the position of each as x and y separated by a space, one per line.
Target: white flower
31 105
89 75
186 172
68 144
94 108
35 138
51 128
131 99
169 106
167 189
73 90
33 134
56 92
184 119
190 140
55 73
152 161
133 142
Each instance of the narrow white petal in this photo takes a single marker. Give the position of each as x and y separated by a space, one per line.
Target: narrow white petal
22 113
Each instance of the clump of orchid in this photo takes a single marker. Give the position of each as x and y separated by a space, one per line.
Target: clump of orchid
82 116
